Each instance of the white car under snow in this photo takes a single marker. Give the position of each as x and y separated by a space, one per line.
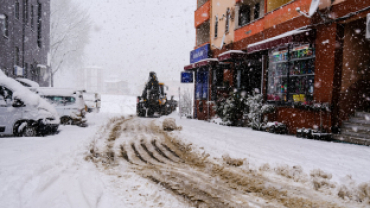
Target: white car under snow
69 104
23 113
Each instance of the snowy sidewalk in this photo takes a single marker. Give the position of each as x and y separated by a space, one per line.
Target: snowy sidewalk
262 147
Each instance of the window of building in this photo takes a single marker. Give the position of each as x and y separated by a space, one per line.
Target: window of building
291 74
244 15
39 25
216 27
5 26
256 11
203 33
274 4
25 13
16 9
201 2
31 16
16 56
26 69
227 22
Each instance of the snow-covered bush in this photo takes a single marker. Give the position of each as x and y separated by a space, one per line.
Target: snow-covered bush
256 109
231 108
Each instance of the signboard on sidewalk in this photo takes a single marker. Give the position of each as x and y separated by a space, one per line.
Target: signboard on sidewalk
187 77
200 53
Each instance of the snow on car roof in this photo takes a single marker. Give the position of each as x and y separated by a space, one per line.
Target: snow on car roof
28 82
56 91
25 95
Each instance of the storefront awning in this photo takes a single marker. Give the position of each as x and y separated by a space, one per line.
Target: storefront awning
232 54
285 38
203 62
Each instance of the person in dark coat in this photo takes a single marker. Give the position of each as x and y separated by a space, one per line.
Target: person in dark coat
151 87
151 94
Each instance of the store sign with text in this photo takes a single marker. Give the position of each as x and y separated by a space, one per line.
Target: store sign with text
200 53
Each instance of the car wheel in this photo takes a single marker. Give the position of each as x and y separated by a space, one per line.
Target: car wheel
66 121
16 129
29 131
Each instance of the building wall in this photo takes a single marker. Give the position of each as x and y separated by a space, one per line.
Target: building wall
24 36
218 9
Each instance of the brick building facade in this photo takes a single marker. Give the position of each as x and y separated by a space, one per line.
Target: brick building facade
335 65
25 39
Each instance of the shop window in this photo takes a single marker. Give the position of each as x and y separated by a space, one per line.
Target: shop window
227 22
201 85
291 74
251 76
216 27
5 26
244 15
39 25
203 33
256 11
274 4
16 10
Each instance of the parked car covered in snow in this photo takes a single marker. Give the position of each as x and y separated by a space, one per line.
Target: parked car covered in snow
23 113
69 104
92 101
27 82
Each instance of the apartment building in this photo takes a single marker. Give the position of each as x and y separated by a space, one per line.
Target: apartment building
25 39
291 58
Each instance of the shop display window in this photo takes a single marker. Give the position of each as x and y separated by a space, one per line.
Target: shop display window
291 74
201 85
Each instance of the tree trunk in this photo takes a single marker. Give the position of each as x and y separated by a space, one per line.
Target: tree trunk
52 79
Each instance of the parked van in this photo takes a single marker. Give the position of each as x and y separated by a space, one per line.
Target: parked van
69 104
23 113
92 101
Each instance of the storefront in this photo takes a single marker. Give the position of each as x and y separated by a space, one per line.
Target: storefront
202 66
289 79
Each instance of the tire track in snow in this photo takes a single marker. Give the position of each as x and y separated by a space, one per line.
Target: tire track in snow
172 164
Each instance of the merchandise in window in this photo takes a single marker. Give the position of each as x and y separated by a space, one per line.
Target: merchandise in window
291 74
202 85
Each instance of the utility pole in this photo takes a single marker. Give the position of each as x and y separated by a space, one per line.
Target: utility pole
179 102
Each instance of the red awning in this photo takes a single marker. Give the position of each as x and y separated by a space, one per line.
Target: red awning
232 54
285 38
201 63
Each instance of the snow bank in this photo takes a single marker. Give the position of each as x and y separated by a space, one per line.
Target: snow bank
45 110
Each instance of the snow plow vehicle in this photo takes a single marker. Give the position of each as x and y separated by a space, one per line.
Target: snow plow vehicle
153 102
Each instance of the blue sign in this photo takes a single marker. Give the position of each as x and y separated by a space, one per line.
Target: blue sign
186 77
200 53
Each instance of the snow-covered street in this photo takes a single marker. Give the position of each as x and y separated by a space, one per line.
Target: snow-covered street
54 171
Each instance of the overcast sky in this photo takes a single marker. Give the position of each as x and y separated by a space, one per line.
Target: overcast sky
130 38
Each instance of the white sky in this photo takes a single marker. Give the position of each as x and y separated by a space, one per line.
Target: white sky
130 38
